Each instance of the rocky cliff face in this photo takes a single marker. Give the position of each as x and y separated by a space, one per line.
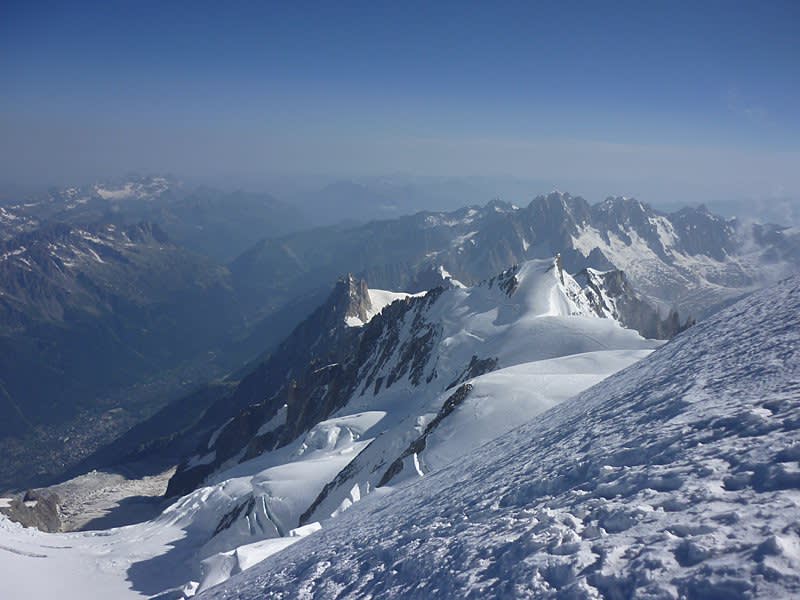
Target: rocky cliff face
613 296
324 363
35 509
284 388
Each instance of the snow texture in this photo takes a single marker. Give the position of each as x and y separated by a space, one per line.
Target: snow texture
549 345
677 477
379 299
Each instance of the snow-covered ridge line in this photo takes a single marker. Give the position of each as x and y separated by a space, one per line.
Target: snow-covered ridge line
676 477
362 410
388 388
410 343
379 299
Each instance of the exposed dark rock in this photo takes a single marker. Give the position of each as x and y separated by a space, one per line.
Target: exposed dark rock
611 293
419 444
230 517
304 374
477 366
353 468
314 374
35 509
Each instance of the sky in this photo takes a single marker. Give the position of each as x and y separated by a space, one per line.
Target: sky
665 101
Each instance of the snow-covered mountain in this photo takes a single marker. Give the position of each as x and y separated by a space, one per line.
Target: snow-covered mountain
84 204
425 344
376 390
146 188
414 390
371 400
675 478
207 221
690 259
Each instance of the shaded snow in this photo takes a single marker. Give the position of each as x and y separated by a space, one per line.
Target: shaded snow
379 300
677 477
276 421
549 346
695 282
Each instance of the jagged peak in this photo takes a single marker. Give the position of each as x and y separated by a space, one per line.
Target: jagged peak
350 299
498 205
612 282
354 304
626 205
560 203
700 210
612 296
542 287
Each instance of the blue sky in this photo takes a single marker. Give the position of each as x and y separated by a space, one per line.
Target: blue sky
646 98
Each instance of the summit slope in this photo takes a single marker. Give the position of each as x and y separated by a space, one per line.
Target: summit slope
415 389
422 385
676 477
409 355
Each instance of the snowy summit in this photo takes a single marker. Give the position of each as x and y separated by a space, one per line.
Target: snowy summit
674 478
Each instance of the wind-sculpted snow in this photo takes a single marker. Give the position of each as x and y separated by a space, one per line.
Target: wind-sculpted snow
431 379
405 366
496 355
675 478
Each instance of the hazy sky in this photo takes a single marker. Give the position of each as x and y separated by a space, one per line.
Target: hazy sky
654 99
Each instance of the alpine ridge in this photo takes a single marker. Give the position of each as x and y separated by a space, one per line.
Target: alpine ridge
451 425
690 259
676 477
295 303
404 394
325 360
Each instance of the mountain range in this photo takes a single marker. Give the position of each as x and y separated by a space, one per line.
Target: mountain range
349 346
689 259
364 393
674 478
207 221
140 267
475 440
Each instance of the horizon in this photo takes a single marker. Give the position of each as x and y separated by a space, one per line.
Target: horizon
376 299
581 100
414 193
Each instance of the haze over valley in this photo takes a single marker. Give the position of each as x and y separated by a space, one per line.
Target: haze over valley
445 301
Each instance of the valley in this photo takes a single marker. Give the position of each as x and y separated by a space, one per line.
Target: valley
316 395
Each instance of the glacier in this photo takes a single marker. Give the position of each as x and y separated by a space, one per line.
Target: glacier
674 478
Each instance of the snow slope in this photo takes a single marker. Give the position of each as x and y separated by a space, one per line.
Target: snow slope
75 566
539 341
532 322
676 477
379 299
